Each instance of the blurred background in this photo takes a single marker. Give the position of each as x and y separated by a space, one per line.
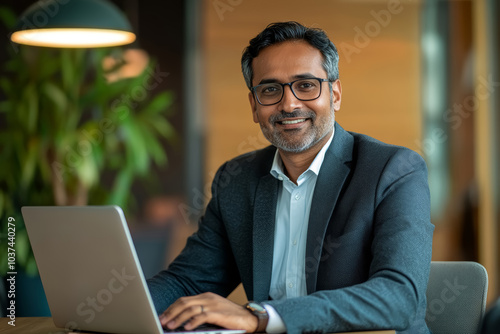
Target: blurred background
418 73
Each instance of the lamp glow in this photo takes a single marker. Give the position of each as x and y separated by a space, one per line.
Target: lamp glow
73 24
73 38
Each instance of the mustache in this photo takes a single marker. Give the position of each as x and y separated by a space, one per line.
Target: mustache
295 114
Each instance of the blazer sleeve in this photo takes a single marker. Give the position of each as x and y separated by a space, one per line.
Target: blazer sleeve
394 294
205 264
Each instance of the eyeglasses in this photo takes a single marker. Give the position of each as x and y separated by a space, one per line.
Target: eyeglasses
303 89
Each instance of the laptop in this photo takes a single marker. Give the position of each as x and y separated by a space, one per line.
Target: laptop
90 271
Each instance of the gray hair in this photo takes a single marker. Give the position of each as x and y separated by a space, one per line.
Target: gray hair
283 31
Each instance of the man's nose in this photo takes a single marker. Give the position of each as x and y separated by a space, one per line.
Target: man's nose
289 103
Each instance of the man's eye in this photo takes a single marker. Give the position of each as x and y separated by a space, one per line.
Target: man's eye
306 85
270 90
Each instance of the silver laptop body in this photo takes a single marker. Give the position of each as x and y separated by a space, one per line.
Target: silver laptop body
90 270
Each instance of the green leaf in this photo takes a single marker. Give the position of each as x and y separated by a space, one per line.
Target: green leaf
22 247
87 170
68 70
98 156
159 103
31 267
32 108
136 149
121 187
29 163
153 146
163 127
56 96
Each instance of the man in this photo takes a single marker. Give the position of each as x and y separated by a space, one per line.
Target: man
327 230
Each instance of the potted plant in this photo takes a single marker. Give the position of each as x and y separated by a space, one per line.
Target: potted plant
70 117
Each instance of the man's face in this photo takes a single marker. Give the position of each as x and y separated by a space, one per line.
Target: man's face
293 125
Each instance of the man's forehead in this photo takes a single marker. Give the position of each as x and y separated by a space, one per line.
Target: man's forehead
287 60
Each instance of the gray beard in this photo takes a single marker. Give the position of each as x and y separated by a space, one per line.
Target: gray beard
312 138
294 147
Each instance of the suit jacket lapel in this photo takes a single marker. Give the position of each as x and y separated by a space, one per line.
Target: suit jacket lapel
264 217
332 175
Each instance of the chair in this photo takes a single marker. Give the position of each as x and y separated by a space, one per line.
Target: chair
456 297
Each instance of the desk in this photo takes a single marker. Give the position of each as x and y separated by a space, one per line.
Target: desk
46 326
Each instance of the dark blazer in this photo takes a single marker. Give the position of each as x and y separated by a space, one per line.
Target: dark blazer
368 247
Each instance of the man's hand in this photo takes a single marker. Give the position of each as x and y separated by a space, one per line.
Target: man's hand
208 308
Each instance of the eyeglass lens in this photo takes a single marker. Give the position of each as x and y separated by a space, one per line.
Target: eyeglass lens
304 89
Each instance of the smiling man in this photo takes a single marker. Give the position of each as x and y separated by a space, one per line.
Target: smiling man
327 230
298 121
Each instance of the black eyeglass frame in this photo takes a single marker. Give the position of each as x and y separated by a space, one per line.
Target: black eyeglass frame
320 80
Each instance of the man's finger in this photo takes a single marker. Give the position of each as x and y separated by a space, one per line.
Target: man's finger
197 320
175 317
200 301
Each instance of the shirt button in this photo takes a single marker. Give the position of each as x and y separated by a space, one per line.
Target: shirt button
280 178
297 197
294 242
290 285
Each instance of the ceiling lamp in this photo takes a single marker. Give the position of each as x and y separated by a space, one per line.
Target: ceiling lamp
73 24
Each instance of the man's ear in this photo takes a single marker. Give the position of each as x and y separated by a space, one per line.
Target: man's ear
253 105
336 94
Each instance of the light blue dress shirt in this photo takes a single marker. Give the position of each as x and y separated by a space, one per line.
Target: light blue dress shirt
292 218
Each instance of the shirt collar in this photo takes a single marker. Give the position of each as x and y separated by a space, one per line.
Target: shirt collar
277 169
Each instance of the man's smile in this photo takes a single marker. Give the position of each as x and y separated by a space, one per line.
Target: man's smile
291 124
294 121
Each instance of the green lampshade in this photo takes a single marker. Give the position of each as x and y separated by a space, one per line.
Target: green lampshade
73 24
